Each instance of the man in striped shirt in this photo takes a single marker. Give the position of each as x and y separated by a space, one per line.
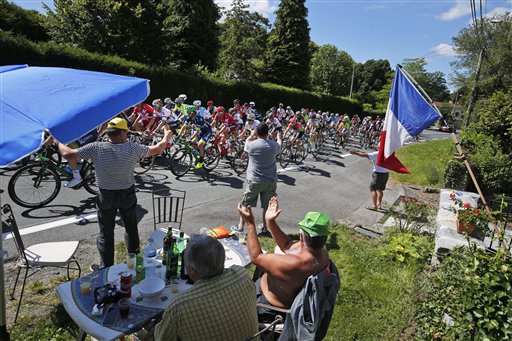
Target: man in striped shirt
114 162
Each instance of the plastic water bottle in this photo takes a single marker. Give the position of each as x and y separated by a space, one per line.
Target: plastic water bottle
150 250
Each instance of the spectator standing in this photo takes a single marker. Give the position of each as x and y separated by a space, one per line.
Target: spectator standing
114 162
261 171
380 178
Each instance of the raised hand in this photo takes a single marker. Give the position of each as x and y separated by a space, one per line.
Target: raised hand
245 213
273 210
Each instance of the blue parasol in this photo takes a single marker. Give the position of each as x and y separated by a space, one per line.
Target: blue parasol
67 102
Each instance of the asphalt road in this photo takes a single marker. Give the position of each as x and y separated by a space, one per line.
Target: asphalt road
336 183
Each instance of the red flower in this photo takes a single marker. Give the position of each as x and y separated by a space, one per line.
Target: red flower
452 195
466 206
476 210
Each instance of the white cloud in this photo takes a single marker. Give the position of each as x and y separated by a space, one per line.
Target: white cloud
499 11
459 10
445 50
263 7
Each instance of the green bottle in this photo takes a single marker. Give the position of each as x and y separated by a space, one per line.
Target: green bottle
140 271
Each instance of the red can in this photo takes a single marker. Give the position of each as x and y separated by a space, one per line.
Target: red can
126 285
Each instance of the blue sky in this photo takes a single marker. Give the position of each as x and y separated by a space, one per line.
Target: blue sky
380 29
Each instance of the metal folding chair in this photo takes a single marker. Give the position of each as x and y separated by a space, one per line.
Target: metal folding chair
168 208
38 256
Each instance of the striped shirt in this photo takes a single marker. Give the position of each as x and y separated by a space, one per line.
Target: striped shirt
220 308
113 162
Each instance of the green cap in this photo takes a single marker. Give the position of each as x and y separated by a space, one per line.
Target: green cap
316 224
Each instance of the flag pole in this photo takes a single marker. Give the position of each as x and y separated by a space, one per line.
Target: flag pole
453 136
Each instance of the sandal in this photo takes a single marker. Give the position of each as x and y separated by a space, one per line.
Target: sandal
371 208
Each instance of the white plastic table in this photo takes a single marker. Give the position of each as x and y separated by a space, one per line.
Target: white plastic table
100 332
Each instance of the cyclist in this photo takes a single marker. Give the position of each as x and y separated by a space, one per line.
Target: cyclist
237 116
183 97
212 110
251 124
312 127
297 128
344 128
280 111
179 108
252 106
202 132
168 103
169 120
225 123
201 111
273 123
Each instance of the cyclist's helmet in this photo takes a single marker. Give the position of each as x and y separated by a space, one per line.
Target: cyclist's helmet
167 100
346 119
179 100
378 117
183 96
157 101
236 101
197 103
251 117
297 113
210 102
332 114
220 109
337 115
252 104
191 109
289 108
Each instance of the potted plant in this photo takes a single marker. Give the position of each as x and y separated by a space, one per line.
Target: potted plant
471 220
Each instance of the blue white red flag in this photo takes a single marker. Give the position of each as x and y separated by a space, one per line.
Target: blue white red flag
407 115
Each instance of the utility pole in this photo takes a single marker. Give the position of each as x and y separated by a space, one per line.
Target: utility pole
352 82
474 92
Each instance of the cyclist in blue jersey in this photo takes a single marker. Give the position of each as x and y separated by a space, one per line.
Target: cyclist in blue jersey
202 131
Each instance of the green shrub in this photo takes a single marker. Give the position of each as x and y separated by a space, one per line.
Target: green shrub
166 82
455 175
407 247
472 287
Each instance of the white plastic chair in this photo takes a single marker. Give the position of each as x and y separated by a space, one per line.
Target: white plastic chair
38 256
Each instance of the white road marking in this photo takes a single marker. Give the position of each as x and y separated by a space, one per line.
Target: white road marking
50 225
290 168
345 155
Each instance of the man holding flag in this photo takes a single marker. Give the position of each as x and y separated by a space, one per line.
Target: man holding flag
407 115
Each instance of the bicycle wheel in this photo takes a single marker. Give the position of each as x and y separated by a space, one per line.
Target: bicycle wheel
304 150
89 178
240 162
181 161
362 139
34 185
144 165
211 158
284 157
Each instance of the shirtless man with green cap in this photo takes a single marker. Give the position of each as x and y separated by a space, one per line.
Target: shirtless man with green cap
285 274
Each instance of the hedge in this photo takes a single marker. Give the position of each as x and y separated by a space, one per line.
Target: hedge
167 82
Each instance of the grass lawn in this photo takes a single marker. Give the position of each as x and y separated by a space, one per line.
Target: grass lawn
377 299
426 161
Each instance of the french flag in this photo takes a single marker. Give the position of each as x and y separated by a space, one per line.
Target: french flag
407 115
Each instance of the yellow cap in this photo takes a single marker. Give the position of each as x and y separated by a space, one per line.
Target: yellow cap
118 123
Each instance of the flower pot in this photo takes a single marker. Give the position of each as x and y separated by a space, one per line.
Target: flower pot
465 228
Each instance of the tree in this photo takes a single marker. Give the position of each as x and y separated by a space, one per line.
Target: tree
369 79
494 37
331 71
128 28
433 83
191 33
288 57
22 22
243 41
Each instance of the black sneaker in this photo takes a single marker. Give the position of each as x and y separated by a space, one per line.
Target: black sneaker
94 267
264 232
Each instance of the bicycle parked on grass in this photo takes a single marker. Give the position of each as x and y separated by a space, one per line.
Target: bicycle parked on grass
38 184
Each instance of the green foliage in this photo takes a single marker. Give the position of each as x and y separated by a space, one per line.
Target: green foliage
243 40
370 80
191 33
433 83
473 287
411 214
17 20
496 70
166 82
378 296
288 55
127 28
405 247
331 71
455 175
